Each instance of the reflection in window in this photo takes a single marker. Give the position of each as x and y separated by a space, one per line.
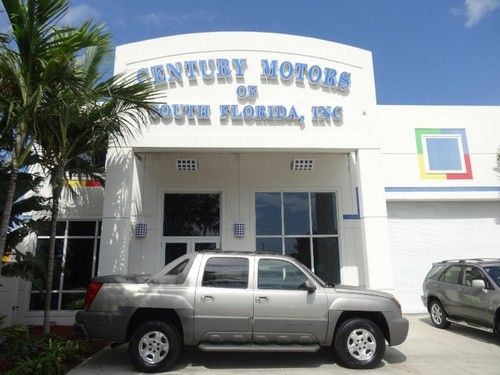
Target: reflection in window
279 274
191 215
76 261
296 210
224 272
268 212
307 230
174 251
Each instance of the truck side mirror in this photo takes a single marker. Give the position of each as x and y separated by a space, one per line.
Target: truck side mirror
308 285
478 284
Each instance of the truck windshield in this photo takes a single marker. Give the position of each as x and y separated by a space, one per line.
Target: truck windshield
494 272
314 276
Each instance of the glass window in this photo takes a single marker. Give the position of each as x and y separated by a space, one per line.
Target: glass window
452 275
174 250
296 212
327 259
81 228
226 272
268 213
307 230
177 270
433 274
202 246
494 272
76 261
269 245
279 274
471 273
323 213
191 215
78 266
300 249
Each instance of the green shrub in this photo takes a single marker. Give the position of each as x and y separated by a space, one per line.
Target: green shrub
43 356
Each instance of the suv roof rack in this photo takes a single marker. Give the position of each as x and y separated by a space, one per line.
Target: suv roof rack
471 260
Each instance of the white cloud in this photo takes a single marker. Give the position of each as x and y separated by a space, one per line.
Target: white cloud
475 10
160 18
78 14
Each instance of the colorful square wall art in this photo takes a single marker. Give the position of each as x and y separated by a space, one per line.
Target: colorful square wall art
443 154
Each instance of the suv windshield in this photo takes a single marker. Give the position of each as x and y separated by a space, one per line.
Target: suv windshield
494 272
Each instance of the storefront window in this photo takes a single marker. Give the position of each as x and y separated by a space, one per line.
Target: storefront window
302 225
76 261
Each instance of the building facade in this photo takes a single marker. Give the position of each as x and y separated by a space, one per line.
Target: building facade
274 142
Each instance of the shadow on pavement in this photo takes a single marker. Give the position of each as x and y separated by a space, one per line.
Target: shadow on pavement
476 334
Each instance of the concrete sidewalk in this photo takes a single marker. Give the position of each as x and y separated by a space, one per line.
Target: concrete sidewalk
427 350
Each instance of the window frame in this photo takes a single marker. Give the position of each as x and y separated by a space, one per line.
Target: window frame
66 237
461 266
278 260
309 236
458 139
210 257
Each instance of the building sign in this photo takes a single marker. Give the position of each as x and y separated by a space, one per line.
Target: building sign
224 70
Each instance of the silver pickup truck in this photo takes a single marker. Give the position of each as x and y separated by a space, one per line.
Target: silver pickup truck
237 301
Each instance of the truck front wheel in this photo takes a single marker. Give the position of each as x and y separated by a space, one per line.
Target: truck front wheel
359 343
154 346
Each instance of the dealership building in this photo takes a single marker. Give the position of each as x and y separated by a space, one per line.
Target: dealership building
276 143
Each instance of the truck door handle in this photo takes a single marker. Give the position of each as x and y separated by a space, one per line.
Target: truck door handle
207 299
262 299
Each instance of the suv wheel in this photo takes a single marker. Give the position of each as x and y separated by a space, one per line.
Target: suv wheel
359 344
438 315
154 347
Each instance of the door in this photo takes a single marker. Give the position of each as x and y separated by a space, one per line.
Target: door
191 222
224 300
283 312
450 287
475 303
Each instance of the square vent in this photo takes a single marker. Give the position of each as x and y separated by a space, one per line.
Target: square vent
187 164
302 164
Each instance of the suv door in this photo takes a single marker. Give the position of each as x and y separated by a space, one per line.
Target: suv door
224 300
449 287
284 313
475 303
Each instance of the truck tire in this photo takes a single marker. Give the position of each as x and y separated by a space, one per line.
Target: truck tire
359 343
154 346
438 315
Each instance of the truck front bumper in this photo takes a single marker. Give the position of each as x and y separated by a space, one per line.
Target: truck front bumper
398 330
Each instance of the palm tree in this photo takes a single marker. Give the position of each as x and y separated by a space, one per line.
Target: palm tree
79 129
35 57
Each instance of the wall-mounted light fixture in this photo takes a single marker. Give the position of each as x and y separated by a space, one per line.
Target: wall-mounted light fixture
239 230
141 230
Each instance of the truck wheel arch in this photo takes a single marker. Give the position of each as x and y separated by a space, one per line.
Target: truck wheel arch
143 314
375 316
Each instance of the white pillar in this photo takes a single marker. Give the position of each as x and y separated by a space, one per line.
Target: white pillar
374 223
116 223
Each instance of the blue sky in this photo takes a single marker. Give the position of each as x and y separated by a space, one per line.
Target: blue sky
424 52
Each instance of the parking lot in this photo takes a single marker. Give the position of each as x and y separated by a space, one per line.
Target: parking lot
426 351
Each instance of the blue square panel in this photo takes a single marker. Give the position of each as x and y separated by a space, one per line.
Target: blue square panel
443 154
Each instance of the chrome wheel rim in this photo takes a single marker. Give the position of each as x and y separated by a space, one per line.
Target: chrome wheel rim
153 347
436 314
361 344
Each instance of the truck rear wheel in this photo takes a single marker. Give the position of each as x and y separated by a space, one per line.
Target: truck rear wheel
359 343
438 315
154 346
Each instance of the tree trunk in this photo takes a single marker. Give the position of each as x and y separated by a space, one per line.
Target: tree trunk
56 195
7 210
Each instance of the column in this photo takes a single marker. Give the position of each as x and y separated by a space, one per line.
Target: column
374 223
116 223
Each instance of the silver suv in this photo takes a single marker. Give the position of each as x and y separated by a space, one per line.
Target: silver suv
222 301
465 291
